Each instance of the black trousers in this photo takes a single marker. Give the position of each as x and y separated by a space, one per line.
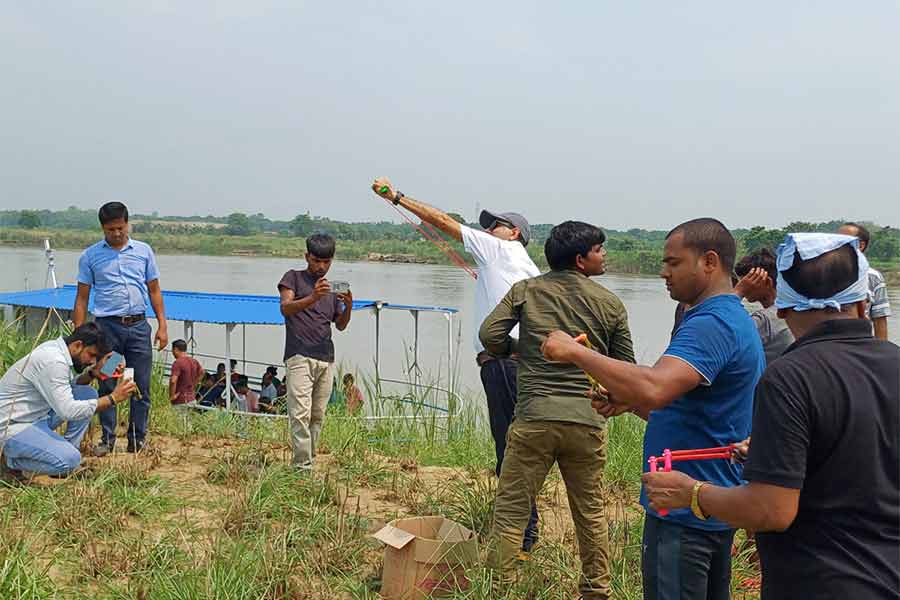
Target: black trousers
683 563
498 376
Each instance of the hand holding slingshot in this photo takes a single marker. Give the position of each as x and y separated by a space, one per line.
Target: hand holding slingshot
670 456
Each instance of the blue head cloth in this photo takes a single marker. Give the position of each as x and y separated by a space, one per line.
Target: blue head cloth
811 245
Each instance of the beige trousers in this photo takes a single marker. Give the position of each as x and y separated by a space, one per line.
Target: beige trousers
580 451
309 382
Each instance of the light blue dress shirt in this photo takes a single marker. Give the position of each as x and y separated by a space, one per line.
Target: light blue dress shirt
119 277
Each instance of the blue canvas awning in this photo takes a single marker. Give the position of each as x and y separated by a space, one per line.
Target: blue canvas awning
199 307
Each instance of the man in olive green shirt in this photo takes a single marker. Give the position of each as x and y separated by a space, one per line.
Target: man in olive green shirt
554 418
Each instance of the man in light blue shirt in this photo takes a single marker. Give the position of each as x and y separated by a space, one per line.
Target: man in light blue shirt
125 278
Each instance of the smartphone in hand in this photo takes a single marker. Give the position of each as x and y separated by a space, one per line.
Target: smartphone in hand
111 365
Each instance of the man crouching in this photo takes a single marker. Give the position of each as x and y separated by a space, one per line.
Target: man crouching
38 394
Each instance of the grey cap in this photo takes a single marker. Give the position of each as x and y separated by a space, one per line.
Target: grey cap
487 219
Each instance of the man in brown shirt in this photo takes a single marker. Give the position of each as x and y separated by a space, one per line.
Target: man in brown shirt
186 374
555 422
309 308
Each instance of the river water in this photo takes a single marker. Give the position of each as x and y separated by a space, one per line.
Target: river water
649 307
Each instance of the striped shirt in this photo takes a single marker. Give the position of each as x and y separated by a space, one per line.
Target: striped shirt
879 306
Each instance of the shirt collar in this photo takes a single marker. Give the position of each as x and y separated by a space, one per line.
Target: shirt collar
64 348
835 329
129 244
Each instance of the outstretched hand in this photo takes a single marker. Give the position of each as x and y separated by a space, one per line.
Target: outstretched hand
383 187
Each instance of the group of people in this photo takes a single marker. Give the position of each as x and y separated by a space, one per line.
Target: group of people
810 375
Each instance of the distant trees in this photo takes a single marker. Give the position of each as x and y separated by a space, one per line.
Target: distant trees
29 219
238 224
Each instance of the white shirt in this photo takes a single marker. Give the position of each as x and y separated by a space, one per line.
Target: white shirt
35 385
500 264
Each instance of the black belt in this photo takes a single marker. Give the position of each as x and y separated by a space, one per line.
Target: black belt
485 357
127 319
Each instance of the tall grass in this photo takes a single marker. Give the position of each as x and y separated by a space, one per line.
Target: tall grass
249 526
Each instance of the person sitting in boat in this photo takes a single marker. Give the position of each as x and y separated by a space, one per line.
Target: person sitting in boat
38 394
353 396
246 400
208 394
273 371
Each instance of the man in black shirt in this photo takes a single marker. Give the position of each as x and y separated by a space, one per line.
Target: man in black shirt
824 464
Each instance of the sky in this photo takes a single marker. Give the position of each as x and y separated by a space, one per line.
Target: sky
624 114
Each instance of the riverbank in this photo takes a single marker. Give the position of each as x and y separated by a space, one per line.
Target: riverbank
285 246
622 257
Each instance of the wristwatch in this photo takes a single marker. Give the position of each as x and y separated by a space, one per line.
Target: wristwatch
397 195
695 501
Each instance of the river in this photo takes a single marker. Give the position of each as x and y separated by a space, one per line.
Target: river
649 307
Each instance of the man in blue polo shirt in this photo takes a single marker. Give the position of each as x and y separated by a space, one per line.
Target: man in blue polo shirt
699 394
124 276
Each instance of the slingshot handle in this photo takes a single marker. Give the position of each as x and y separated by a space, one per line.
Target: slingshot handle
667 466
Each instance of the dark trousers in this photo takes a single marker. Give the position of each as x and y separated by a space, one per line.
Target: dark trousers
498 376
135 344
683 563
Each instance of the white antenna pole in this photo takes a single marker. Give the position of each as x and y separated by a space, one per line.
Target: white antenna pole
51 264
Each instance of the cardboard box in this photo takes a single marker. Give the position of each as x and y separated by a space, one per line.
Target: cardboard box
425 557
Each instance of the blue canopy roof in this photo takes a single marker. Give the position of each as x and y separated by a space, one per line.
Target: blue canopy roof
199 307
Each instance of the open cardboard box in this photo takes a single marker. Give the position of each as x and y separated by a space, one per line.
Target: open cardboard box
425 557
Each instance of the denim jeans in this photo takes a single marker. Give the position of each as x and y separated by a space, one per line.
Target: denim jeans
498 377
683 563
39 449
134 343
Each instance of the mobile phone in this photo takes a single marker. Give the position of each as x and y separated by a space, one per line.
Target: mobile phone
128 374
112 363
340 287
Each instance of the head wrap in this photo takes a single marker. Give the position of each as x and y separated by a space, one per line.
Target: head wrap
809 246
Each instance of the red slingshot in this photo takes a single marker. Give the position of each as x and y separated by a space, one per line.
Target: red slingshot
670 456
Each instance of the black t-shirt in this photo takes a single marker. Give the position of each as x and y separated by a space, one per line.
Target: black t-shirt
826 422
308 332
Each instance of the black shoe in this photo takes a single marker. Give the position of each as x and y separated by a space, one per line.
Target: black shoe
102 449
135 446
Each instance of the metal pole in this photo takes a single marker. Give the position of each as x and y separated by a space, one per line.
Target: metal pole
244 346
228 329
51 263
378 347
415 365
450 354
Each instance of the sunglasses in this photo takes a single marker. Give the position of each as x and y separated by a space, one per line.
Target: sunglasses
500 223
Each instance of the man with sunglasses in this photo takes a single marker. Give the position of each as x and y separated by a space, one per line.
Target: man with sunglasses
501 260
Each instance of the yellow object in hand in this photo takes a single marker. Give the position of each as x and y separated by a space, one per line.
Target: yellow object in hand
595 385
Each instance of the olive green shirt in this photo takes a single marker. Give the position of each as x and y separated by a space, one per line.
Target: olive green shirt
571 302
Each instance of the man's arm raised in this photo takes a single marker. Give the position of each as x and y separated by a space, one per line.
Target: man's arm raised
429 214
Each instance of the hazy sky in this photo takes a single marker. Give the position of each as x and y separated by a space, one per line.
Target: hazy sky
626 114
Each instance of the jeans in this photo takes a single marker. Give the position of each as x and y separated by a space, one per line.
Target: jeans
39 449
309 385
580 452
683 563
498 376
135 344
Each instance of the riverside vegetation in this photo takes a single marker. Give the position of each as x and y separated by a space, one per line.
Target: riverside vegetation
212 509
634 251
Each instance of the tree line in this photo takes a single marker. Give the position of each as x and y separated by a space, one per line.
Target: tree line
633 250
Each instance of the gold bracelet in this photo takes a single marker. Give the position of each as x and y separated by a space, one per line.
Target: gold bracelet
695 501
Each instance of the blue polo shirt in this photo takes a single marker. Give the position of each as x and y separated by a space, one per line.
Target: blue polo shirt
119 277
719 340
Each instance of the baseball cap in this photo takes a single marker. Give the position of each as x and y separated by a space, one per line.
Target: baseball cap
487 219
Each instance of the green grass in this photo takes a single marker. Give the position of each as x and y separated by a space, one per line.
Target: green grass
252 527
